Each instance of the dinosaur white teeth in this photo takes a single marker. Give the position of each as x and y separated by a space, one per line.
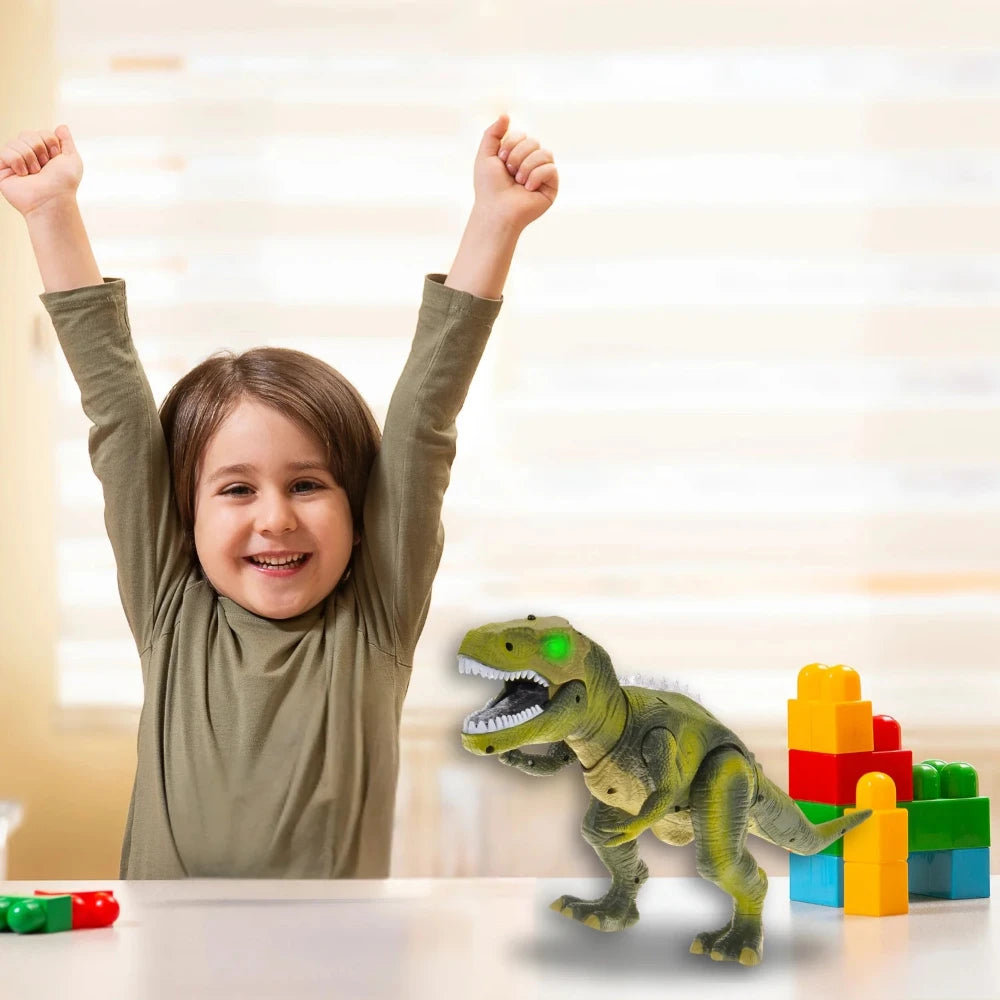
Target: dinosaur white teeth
473 725
468 665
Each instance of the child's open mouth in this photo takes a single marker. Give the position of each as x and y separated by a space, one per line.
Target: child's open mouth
279 565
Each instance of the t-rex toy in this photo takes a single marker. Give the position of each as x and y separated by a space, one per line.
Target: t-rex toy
652 759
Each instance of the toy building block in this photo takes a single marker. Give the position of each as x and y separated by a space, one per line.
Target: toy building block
820 812
800 707
886 733
947 812
90 909
34 915
833 778
961 874
828 715
817 878
882 837
875 871
876 890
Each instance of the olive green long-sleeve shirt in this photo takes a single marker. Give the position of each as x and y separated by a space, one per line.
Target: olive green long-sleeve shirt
270 748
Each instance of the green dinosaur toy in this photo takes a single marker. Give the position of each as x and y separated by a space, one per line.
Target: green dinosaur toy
651 759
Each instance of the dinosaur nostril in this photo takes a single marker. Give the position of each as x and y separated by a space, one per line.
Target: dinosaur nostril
508 646
489 749
531 618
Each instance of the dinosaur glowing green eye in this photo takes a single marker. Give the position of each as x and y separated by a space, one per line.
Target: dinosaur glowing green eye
555 647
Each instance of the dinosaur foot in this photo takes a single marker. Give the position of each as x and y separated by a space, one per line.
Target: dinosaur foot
601 914
740 941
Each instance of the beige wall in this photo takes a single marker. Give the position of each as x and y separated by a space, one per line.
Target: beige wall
74 780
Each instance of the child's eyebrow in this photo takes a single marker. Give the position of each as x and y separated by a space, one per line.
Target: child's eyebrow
244 468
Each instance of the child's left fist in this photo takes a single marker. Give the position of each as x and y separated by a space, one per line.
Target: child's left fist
515 178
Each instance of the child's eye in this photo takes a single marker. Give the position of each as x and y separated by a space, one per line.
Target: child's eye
236 491
307 484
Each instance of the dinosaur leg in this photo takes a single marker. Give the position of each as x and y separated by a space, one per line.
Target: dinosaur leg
721 798
616 909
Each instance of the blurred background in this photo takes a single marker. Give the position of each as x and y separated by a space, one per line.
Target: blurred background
740 411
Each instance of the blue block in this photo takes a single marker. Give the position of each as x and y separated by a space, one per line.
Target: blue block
818 878
962 874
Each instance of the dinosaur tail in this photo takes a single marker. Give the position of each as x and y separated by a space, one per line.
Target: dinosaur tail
775 817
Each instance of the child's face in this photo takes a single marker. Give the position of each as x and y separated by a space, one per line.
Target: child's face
282 503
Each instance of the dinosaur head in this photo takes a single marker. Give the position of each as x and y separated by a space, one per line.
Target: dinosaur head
547 669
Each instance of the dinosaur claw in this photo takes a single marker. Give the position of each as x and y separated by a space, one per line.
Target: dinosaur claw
740 942
598 914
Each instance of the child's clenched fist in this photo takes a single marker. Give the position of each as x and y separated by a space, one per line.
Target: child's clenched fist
37 168
515 178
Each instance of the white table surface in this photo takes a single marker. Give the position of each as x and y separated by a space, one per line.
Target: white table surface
488 938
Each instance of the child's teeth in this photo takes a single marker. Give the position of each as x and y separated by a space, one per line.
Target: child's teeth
276 563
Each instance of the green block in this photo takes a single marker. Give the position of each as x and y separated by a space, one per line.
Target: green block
948 824
36 914
820 812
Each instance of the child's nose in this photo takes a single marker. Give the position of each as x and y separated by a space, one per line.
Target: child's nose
275 515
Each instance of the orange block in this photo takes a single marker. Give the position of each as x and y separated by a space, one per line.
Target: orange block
876 877
800 708
876 890
884 836
828 716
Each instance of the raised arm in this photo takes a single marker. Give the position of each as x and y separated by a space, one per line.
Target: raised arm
47 200
515 182
39 176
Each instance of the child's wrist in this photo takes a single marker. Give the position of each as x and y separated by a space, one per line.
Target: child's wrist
487 221
53 208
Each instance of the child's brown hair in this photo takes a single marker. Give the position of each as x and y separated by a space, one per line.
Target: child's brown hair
304 389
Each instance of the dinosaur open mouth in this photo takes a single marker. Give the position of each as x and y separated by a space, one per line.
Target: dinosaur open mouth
525 694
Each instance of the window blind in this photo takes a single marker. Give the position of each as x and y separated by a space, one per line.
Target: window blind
740 410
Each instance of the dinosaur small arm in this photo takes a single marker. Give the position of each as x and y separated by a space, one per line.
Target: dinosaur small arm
652 760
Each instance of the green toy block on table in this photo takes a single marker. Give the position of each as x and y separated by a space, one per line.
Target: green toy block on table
36 914
947 812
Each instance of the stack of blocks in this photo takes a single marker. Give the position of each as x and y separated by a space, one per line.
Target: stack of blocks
875 876
834 742
949 832
50 912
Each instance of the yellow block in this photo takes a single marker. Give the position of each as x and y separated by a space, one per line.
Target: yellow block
876 890
828 715
883 837
800 707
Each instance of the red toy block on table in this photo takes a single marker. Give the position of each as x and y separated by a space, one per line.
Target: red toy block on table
833 777
90 909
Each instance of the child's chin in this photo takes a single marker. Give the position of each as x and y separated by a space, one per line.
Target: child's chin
280 614
268 607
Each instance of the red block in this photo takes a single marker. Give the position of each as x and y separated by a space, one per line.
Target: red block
833 777
90 909
886 733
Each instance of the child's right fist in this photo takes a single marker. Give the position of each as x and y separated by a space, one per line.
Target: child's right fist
39 167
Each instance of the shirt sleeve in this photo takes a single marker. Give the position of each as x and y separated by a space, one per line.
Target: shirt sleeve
127 448
403 537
